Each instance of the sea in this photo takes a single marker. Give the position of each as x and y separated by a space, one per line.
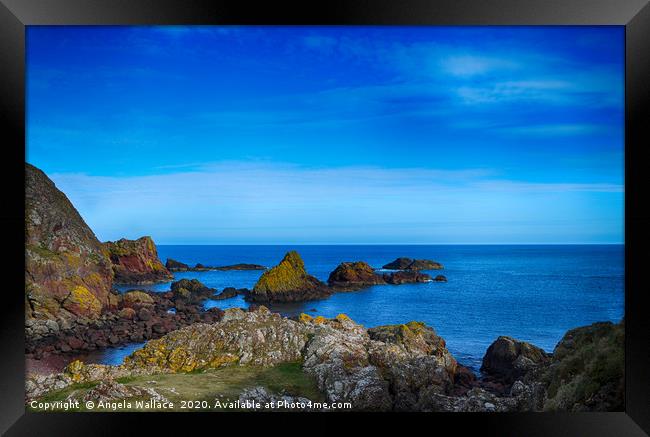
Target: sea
533 293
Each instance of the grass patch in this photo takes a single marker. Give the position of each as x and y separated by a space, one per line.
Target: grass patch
208 386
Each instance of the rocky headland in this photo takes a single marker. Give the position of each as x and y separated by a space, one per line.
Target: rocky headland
176 266
387 368
136 262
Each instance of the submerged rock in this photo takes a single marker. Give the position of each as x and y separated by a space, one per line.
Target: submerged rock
67 272
288 282
136 261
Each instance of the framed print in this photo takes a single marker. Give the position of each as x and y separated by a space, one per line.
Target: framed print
433 209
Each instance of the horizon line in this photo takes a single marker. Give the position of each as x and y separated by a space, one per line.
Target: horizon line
397 244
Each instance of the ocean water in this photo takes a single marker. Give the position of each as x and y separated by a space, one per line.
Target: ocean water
532 293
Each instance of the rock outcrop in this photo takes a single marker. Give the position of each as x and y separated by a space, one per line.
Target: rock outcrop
387 368
413 264
138 316
176 266
507 359
351 276
191 290
67 273
288 282
136 261
354 276
406 277
587 371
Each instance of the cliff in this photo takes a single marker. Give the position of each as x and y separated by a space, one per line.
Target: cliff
136 261
67 272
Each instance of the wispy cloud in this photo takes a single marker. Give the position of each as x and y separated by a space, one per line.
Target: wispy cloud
219 197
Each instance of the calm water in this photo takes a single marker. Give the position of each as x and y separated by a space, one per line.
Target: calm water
533 293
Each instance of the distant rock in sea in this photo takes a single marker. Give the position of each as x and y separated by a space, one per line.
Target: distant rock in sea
351 276
177 266
288 282
136 261
413 264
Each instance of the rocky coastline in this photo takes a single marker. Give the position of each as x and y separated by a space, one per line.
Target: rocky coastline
387 368
71 306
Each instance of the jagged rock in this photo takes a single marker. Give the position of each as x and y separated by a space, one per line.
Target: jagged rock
354 276
288 282
136 261
254 338
440 278
176 266
413 264
414 359
67 274
191 290
508 359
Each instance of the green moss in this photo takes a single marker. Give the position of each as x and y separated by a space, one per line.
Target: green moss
588 364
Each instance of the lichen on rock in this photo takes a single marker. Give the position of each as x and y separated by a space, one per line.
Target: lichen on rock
288 282
136 261
64 261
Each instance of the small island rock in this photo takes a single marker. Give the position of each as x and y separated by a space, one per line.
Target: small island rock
288 282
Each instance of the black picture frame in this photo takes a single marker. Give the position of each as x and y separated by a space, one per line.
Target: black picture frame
633 14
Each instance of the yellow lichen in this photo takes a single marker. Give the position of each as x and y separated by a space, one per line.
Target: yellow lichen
82 301
342 317
305 318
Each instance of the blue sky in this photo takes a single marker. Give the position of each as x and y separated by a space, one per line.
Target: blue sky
308 135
